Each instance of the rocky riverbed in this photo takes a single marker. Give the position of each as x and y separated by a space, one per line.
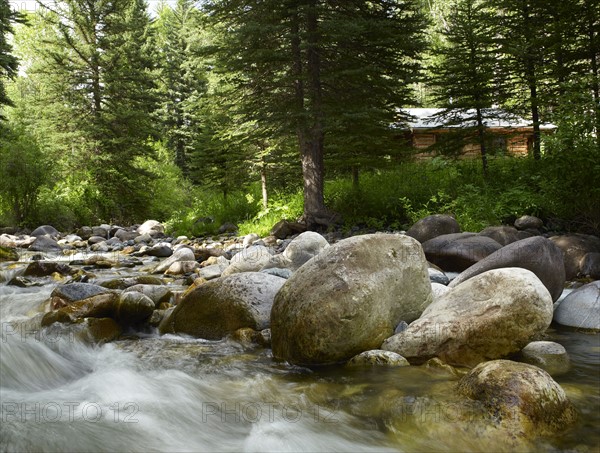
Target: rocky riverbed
433 339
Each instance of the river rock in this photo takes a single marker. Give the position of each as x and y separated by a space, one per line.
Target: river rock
489 316
64 295
222 306
590 265
547 355
95 240
349 298
157 293
126 282
45 230
575 247
250 239
433 226
504 234
520 398
99 330
285 228
436 276
46 268
99 306
303 248
227 227
133 308
182 268
151 227
213 271
8 254
537 254
252 259
160 250
182 254
377 357
100 231
528 222
438 290
124 235
45 244
581 308
457 252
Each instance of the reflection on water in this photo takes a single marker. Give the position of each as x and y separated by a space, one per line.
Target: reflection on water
180 394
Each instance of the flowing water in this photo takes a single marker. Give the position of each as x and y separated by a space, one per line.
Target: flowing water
173 393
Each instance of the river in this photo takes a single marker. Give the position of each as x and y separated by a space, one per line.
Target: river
171 393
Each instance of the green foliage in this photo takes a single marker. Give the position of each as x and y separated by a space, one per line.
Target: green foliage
288 206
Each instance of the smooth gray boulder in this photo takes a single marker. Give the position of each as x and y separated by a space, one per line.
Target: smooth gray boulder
45 244
251 259
222 306
489 316
303 248
537 254
547 355
349 298
581 308
45 230
457 252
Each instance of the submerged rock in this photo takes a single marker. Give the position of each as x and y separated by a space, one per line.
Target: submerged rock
519 398
547 355
349 298
377 357
489 316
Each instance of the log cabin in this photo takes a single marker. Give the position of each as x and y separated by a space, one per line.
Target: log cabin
508 134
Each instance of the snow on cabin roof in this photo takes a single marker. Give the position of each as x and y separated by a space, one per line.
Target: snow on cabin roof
424 118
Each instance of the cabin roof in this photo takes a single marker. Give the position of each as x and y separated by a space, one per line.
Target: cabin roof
425 118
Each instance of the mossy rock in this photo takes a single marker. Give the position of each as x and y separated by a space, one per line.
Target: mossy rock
8 254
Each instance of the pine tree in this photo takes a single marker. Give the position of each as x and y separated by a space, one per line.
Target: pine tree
316 69
8 62
464 72
182 79
99 88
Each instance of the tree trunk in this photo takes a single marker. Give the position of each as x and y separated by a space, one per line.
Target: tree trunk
263 183
355 178
481 135
312 146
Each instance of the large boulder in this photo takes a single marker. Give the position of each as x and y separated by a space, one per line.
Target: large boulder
581 308
489 316
519 398
182 254
456 252
45 230
349 298
575 247
433 226
45 244
222 306
537 254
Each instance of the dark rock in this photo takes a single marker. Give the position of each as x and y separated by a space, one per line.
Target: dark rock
64 295
537 254
503 235
457 252
45 244
100 330
45 230
285 228
45 268
133 308
228 227
23 282
575 247
85 233
590 265
433 226
100 232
